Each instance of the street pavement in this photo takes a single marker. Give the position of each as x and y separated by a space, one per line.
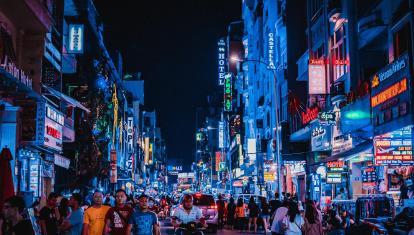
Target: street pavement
166 228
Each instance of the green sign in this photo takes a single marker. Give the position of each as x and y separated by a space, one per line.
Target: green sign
227 93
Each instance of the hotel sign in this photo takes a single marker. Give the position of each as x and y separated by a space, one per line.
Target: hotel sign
221 60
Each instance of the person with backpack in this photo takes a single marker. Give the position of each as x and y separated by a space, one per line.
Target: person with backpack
116 219
254 212
293 222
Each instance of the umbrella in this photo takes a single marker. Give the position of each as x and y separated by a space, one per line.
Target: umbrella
6 179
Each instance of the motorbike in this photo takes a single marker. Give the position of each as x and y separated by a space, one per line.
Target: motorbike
191 228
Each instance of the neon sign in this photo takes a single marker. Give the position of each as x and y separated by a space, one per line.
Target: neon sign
317 77
53 132
227 93
271 51
390 92
309 115
76 38
221 61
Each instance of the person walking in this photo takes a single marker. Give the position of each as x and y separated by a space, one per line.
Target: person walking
313 225
274 204
72 225
278 217
13 222
253 213
220 211
293 221
94 218
49 216
240 214
116 220
144 221
265 213
231 211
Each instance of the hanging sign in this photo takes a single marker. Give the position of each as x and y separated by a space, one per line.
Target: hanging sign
221 134
53 132
316 186
271 51
113 172
221 61
333 177
228 93
317 77
76 33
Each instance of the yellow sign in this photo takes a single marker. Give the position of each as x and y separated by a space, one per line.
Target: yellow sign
375 81
389 93
269 176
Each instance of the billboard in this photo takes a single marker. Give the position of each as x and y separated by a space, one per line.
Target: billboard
394 148
251 150
320 138
53 133
317 77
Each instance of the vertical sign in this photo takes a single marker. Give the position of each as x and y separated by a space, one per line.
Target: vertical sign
221 60
113 175
271 51
317 77
227 93
146 150
130 145
218 160
76 38
316 186
221 134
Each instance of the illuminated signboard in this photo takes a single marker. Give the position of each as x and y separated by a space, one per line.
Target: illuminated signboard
53 132
369 177
221 57
320 138
333 177
316 186
389 93
393 151
341 143
327 118
251 150
228 93
309 115
221 134
317 77
271 51
218 160
174 170
335 166
390 96
114 170
76 34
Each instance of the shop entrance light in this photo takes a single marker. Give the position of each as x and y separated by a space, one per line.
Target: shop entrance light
357 115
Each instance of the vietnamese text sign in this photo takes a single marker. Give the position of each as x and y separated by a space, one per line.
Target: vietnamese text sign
333 177
317 77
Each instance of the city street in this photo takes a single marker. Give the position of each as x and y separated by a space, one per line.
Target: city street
166 228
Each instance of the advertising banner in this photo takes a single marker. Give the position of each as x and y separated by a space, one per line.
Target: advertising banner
53 133
317 77
394 148
320 138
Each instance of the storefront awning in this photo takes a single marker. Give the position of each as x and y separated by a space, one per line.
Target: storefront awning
365 146
66 98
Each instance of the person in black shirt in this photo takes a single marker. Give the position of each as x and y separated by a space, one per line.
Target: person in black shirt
274 204
220 211
14 222
49 216
253 213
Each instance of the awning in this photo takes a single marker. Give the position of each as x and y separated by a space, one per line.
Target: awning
66 98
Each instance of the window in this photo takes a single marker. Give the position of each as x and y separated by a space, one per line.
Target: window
339 58
402 40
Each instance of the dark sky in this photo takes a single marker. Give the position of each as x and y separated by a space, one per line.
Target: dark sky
173 44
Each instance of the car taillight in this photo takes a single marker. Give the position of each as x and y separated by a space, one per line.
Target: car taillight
212 207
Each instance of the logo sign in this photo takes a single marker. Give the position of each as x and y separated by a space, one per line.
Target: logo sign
327 118
76 33
53 132
221 46
333 178
336 166
309 115
228 90
389 71
320 139
317 77
271 51
221 134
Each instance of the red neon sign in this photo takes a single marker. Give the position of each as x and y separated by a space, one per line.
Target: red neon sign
340 62
53 132
309 115
316 61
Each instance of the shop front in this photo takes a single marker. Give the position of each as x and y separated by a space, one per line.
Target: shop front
295 178
391 105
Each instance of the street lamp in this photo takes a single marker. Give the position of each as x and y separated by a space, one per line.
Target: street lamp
235 59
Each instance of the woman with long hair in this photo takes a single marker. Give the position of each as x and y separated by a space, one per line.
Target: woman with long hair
253 213
240 215
293 222
265 213
313 225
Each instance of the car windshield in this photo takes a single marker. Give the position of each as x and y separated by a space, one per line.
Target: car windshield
203 200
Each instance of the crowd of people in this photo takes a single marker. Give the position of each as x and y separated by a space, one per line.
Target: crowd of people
74 217
288 217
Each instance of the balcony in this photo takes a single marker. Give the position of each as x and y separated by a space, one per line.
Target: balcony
303 66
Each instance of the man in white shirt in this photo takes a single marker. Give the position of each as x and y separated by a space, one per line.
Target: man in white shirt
186 212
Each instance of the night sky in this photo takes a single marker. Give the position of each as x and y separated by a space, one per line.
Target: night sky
173 44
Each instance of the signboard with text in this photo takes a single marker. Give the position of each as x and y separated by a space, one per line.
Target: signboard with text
221 60
394 148
76 38
317 77
228 93
53 133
